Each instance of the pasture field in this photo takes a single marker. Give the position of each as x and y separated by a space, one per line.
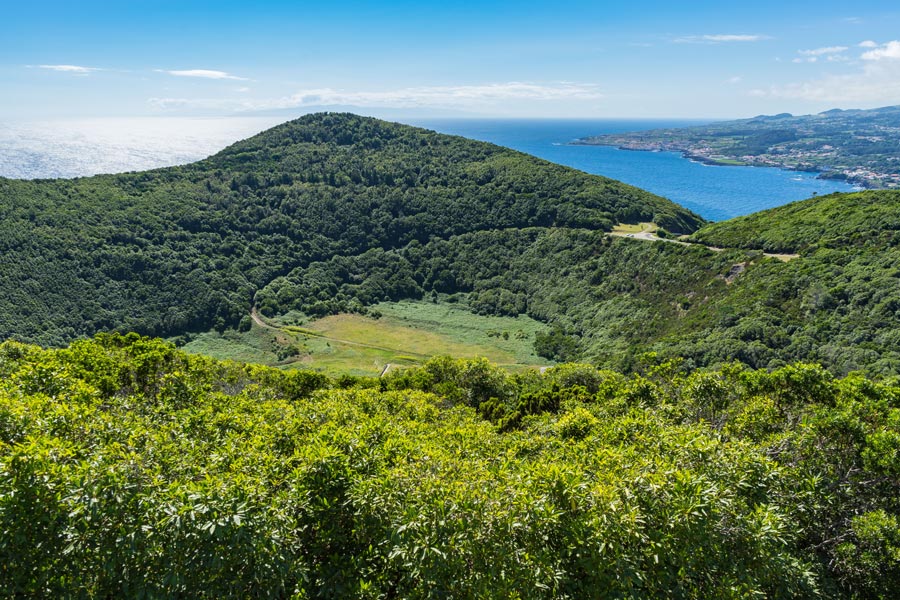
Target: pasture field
407 333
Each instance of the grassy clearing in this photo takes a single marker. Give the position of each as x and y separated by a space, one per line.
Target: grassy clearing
639 228
728 162
255 346
782 257
406 334
337 358
513 336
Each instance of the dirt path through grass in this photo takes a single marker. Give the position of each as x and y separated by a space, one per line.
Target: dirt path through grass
647 233
309 333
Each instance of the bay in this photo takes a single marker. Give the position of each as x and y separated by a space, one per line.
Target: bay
87 147
714 192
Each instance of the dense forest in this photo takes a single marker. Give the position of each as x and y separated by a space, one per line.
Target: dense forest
131 469
837 221
691 454
186 248
334 213
610 299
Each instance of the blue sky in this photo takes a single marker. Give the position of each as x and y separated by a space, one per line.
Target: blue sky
517 59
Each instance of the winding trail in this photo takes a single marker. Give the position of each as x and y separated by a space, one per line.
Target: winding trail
388 367
256 319
308 333
648 235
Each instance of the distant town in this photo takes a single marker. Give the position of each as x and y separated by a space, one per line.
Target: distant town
861 147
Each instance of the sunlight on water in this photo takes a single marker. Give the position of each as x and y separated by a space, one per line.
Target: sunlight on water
91 146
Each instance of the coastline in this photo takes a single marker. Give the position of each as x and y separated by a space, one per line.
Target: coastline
692 156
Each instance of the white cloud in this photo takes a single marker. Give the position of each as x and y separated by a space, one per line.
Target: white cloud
868 44
733 38
823 51
889 51
242 90
462 95
735 79
719 38
76 69
213 104
829 53
876 80
444 97
203 74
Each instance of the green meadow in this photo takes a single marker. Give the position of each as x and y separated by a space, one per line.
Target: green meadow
406 333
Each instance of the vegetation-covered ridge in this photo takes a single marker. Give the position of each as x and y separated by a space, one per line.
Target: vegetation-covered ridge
868 219
860 146
131 469
609 299
186 248
337 214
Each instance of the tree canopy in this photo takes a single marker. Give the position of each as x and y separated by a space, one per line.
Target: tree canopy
186 248
128 468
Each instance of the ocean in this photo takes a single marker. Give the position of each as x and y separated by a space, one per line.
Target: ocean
87 147
714 192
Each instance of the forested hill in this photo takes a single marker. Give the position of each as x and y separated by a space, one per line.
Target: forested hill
335 213
398 183
838 303
186 248
869 219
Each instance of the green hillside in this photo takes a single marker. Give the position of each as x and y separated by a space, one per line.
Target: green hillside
609 299
869 219
130 469
690 456
335 214
838 303
186 248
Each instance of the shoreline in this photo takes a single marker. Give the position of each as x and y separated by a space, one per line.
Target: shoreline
733 162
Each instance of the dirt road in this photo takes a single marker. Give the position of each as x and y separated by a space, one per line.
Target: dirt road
649 236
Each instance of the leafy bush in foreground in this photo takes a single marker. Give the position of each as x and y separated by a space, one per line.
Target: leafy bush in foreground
130 469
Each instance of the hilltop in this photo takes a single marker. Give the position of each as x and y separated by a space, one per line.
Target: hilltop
340 217
186 248
131 468
859 146
838 221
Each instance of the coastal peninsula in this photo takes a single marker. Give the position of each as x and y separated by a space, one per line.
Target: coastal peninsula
861 147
